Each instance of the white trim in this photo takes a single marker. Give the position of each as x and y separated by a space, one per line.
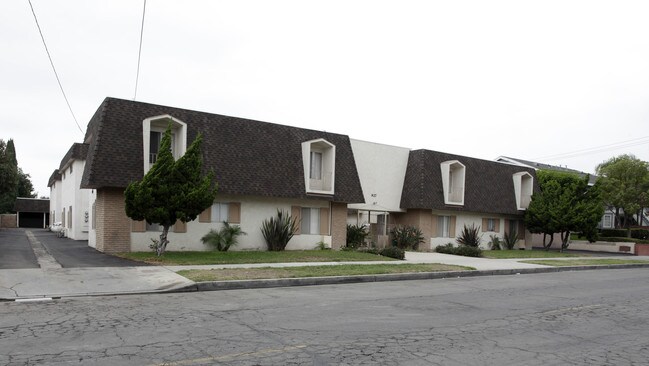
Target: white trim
448 187
180 130
325 185
523 198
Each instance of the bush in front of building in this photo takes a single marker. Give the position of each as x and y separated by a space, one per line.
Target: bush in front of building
278 230
393 252
463 250
356 235
406 237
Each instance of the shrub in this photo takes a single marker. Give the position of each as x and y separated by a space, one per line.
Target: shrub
470 236
463 250
277 231
612 233
406 237
510 239
494 244
356 235
640 234
321 245
393 252
223 239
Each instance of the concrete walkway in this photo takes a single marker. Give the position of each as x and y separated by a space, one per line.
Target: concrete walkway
55 280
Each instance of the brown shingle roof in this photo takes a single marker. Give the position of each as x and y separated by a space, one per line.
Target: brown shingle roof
488 187
32 205
54 177
249 157
77 151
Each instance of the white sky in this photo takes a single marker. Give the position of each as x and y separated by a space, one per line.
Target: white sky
476 78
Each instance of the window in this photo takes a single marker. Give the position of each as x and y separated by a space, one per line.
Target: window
70 218
491 224
453 174
444 226
319 163
523 189
153 227
94 216
310 221
153 130
316 165
220 212
608 221
63 218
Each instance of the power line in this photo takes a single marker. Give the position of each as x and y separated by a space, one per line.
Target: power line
601 148
53 68
139 52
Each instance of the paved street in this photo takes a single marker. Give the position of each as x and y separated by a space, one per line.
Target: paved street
569 318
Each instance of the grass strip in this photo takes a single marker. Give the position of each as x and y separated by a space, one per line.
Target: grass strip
198 275
512 254
586 262
243 257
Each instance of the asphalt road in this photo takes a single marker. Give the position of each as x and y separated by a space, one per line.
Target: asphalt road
16 251
569 318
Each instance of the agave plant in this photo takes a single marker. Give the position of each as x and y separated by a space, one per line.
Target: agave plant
470 236
510 239
225 238
277 231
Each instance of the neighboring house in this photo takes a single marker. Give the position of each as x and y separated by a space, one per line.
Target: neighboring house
439 193
608 219
259 167
70 205
32 212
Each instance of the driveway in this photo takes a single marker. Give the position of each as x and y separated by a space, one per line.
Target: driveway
18 251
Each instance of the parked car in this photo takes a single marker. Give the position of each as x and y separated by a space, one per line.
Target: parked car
57 228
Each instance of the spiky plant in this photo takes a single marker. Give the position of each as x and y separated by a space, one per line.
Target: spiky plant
510 239
279 230
470 236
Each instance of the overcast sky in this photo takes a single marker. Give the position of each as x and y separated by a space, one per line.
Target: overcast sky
534 80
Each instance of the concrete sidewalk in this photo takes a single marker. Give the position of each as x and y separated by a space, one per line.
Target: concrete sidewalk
67 282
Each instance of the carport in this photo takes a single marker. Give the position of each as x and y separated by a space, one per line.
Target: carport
32 212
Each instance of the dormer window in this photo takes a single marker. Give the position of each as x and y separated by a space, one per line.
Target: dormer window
453 174
318 157
523 189
153 130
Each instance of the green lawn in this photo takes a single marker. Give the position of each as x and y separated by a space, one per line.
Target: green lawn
315 271
586 262
192 258
509 254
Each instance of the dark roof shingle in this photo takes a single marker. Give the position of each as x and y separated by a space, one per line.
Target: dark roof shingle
32 205
488 187
248 157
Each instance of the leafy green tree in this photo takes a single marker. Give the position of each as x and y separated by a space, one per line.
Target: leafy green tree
171 190
625 185
565 203
8 176
25 186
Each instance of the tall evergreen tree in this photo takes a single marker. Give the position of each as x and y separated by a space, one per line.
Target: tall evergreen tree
171 190
8 176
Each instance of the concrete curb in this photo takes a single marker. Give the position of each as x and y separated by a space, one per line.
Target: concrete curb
337 280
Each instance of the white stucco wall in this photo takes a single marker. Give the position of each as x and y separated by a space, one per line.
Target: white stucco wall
73 196
381 169
92 233
254 210
475 219
55 202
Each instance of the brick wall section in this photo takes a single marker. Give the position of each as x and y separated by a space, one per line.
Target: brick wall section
113 226
338 225
418 218
8 220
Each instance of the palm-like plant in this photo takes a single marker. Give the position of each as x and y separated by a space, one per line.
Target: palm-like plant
277 231
510 239
225 238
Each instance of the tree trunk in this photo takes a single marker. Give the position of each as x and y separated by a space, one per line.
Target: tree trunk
565 240
549 245
162 245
